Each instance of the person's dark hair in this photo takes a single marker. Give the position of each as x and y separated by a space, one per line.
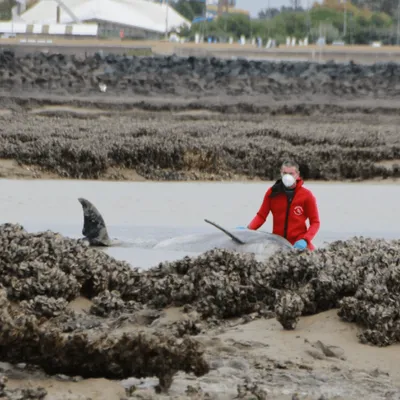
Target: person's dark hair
290 163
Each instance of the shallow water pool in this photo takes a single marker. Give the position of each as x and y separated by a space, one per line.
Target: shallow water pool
145 213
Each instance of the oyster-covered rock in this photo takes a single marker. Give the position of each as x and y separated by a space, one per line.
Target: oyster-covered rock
42 272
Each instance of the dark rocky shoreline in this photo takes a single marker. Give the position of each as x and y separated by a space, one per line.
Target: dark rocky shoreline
172 75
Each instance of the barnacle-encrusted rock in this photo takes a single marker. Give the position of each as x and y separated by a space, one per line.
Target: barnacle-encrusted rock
71 321
192 325
45 306
288 309
114 356
251 390
84 352
181 76
219 283
48 264
110 304
197 150
359 276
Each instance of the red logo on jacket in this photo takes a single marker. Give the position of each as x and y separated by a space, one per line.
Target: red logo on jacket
298 210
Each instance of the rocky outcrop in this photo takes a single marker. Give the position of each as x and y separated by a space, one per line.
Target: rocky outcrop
199 150
193 76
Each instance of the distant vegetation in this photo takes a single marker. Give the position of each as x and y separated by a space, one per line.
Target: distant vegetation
356 22
5 9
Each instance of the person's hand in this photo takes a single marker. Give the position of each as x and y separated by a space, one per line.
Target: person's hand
241 227
300 244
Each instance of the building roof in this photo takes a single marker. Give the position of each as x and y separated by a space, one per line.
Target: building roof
143 14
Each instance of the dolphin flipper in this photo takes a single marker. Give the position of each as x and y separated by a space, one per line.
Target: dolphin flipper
276 238
232 236
94 227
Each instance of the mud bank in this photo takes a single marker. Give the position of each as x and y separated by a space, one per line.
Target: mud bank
172 75
85 144
72 310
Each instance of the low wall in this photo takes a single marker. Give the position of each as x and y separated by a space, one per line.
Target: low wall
77 48
311 54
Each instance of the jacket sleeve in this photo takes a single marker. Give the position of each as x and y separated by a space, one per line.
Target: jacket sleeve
262 213
313 216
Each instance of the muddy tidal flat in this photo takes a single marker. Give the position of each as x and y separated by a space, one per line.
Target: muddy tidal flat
79 324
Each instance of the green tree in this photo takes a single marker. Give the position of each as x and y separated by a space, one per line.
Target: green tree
189 9
327 19
386 6
236 24
268 13
5 9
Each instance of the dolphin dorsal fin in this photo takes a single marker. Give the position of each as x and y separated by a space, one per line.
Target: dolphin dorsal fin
231 235
94 227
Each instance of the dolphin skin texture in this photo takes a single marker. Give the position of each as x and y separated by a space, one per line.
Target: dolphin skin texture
243 241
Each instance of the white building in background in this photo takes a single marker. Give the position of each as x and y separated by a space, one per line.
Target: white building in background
140 19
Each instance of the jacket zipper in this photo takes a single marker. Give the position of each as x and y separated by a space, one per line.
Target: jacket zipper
287 215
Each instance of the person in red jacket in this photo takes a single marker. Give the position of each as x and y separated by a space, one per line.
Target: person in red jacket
291 204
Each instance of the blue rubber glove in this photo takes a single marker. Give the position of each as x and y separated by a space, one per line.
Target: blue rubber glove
241 227
300 244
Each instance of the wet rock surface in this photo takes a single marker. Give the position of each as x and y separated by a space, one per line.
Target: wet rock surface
267 379
172 148
216 290
20 394
23 338
110 304
358 276
172 75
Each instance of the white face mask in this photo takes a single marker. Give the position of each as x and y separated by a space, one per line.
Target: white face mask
288 180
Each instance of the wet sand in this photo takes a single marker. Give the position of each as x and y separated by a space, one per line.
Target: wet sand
279 363
11 169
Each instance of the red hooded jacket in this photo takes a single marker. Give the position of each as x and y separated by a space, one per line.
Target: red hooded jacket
289 220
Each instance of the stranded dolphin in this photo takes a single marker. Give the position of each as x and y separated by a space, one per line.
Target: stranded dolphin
244 241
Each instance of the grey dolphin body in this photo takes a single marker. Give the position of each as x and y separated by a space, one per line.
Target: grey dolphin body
259 243
244 241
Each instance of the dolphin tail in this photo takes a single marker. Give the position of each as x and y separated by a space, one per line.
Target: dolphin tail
94 227
231 235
